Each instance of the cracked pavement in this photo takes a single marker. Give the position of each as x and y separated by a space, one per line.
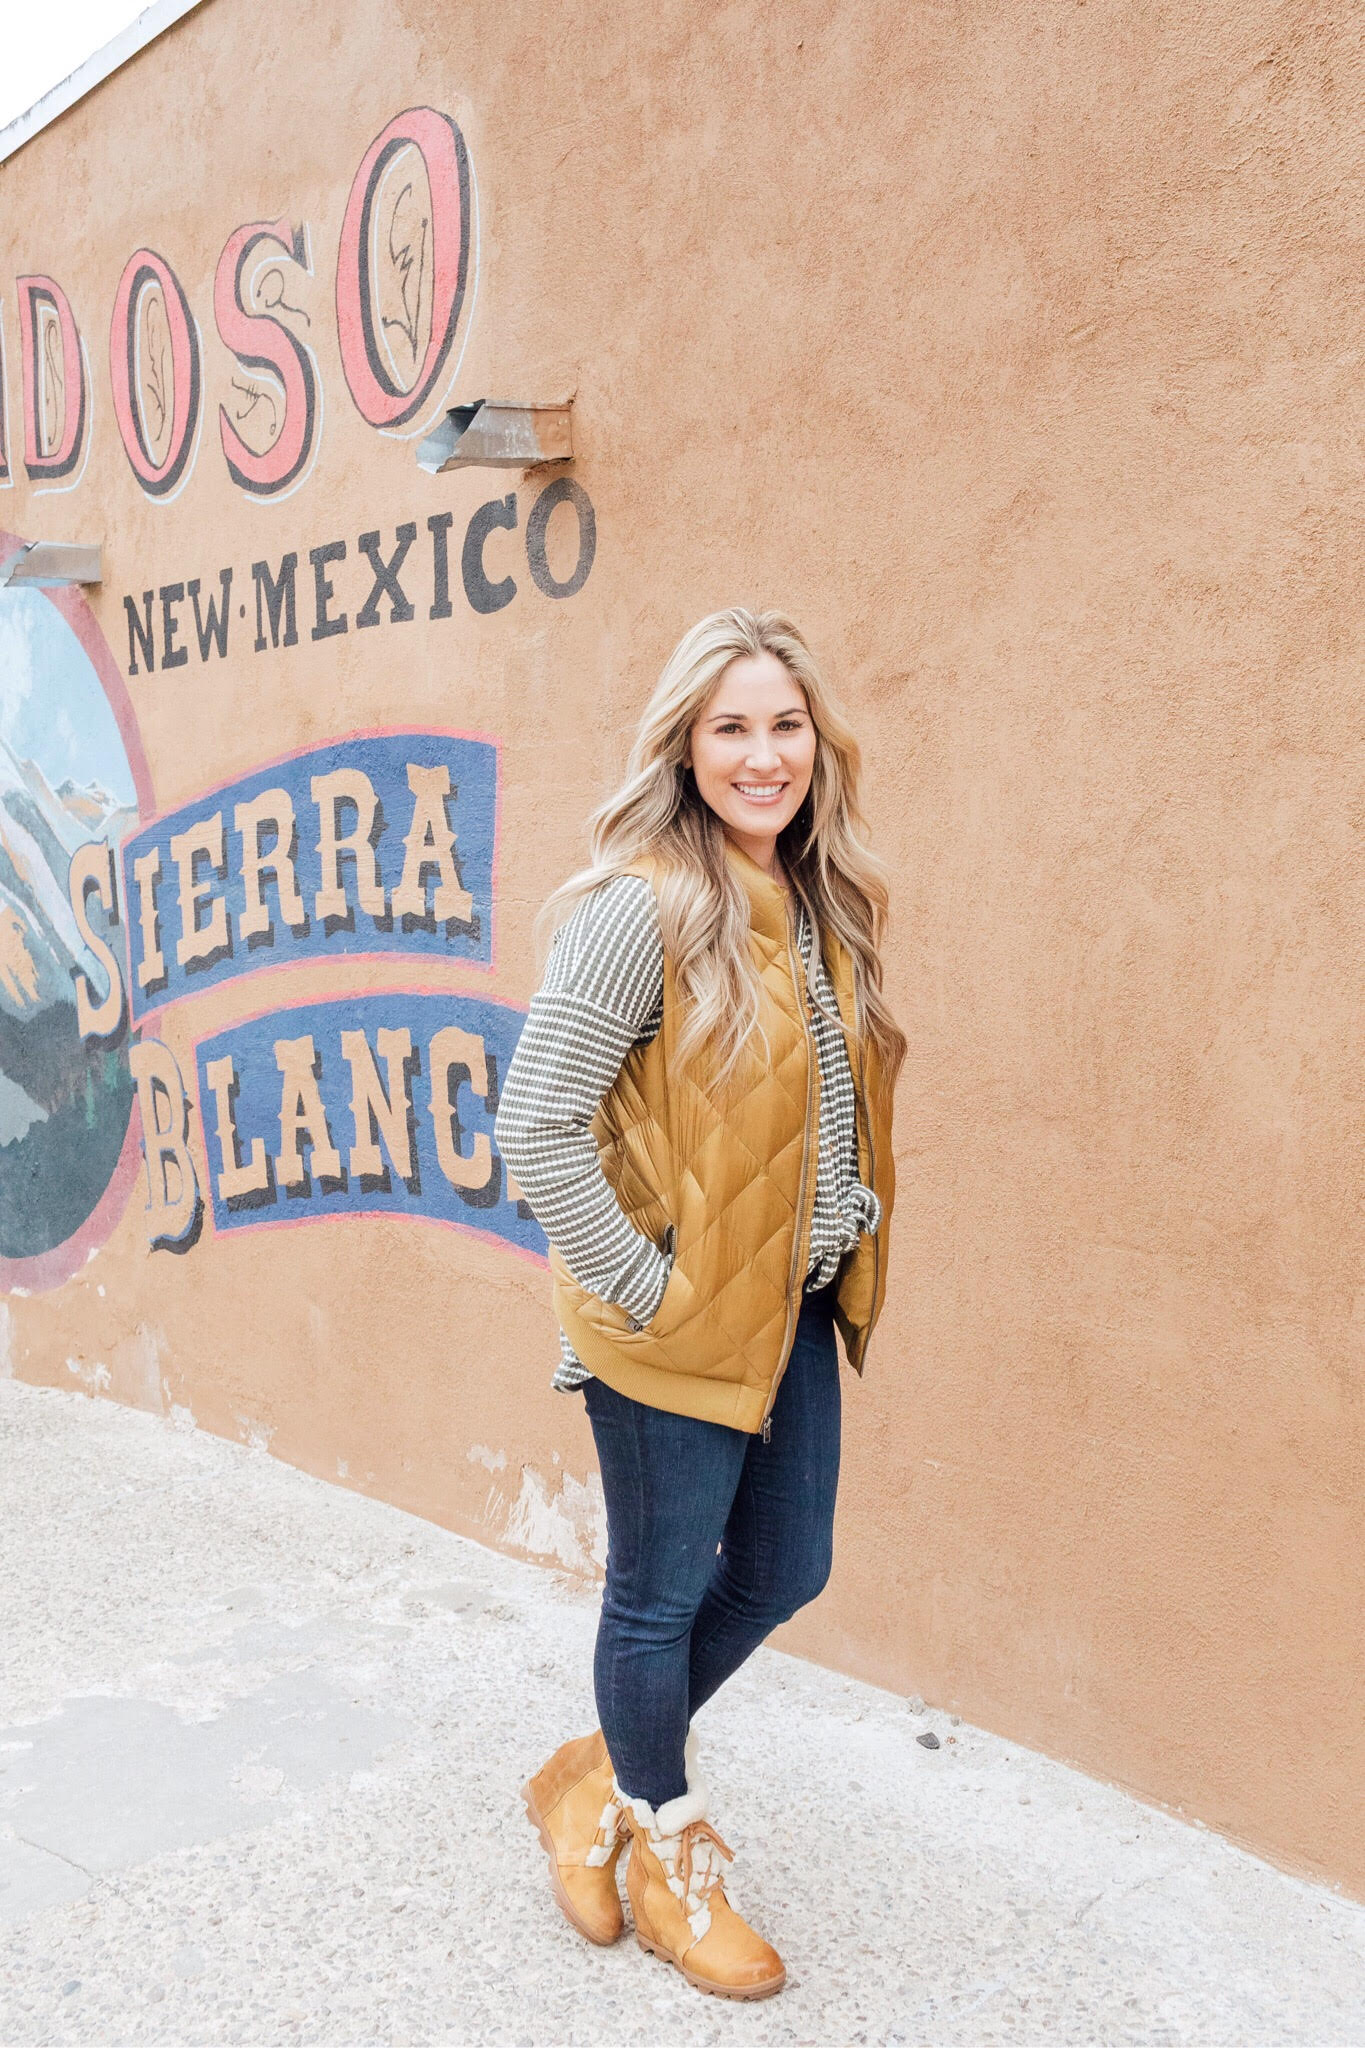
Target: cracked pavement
260 1745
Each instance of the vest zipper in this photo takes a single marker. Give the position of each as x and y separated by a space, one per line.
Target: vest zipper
871 1155
794 1283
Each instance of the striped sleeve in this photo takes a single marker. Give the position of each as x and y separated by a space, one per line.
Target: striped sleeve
602 993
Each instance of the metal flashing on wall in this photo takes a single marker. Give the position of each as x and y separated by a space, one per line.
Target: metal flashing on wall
51 564
498 433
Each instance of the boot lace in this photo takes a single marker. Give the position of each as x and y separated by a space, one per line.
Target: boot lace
699 1871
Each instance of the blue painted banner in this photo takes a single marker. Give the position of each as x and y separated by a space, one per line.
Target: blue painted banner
378 844
379 1103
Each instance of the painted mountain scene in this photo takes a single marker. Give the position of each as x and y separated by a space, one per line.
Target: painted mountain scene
65 779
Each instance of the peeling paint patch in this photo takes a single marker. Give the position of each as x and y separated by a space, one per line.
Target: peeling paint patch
181 1418
147 1347
94 1376
492 1461
343 1469
256 1435
570 1526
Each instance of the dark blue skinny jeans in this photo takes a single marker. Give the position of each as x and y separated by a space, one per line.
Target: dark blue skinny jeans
714 1536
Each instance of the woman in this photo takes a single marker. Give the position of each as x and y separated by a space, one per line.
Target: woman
699 1114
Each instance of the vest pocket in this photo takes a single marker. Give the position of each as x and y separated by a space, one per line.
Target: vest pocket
613 1321
665 1315
669 1248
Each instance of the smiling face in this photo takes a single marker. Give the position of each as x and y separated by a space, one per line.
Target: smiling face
752 751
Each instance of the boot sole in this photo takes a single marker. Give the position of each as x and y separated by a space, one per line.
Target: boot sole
745 1991
562 1899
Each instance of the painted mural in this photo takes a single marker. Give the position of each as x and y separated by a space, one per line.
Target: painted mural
405 276
383 1104
379 845
69 775
348 588
383 843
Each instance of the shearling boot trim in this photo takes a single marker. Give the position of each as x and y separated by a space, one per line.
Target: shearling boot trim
675 1814
672 1817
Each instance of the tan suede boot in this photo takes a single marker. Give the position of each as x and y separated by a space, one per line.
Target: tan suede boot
681 1911
572 1801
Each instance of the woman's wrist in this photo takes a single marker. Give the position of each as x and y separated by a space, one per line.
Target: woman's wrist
644 1288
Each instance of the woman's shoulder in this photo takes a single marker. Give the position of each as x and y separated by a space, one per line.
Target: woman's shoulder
609 942
626 902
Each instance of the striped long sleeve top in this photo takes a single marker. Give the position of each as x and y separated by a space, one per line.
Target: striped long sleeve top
601 994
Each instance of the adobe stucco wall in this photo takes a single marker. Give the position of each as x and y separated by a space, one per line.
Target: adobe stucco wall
1017 351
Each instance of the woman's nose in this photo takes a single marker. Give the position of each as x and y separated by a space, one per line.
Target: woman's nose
762 754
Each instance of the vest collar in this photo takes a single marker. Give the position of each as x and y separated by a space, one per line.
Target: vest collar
767 898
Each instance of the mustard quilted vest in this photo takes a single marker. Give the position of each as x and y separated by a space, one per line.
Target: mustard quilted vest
733 1191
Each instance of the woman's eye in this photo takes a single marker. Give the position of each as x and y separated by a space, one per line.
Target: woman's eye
783 725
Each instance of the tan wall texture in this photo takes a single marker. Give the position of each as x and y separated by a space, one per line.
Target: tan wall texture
1016 350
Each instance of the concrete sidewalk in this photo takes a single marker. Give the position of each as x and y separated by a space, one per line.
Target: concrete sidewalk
260 1744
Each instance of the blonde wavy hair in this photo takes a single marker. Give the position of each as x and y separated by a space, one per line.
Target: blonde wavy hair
703 909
